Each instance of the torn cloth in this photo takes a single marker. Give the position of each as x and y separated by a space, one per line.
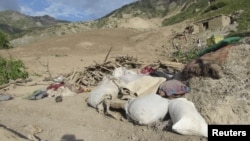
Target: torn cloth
172 88
145 85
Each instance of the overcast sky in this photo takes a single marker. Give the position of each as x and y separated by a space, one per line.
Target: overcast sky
71 10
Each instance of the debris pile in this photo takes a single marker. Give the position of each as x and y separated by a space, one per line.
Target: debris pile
95 73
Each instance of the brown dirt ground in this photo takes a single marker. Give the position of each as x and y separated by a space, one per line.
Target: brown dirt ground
219 101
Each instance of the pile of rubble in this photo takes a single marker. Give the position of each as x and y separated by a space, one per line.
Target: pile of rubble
93 74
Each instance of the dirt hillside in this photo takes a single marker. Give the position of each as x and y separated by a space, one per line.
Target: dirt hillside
219 101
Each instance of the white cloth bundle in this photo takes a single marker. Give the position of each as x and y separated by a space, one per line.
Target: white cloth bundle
147 109
106 88
186 119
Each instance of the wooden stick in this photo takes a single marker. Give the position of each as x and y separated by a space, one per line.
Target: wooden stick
107 55
4 86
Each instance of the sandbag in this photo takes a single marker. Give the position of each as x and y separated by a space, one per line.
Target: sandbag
186 119
106 88
146 109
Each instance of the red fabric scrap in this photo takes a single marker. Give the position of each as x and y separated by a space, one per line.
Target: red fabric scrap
55 86
147 70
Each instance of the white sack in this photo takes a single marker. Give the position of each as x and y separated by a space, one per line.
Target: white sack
147 109
186 119
104 89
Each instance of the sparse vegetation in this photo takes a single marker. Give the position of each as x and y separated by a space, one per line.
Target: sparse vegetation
4 42
189 12
215 6
118 15
144 9
36 74
219 7
102 22
11 70
17 25
185 57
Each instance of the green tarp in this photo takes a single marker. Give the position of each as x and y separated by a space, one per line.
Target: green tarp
219 45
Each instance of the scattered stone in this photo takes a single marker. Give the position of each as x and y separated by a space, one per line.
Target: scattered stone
5 97
59 98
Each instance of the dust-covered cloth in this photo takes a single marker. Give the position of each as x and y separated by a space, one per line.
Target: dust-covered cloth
145 85
172 88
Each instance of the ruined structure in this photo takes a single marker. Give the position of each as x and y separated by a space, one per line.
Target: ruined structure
211 23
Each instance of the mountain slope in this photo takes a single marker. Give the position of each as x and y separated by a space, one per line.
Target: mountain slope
14 23
143 9
200 9
174 11
144 14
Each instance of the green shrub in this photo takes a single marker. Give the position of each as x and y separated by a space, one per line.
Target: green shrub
102 22
11 70
185 57
4 42
118 15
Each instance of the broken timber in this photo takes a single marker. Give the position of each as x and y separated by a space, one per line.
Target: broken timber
93 74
